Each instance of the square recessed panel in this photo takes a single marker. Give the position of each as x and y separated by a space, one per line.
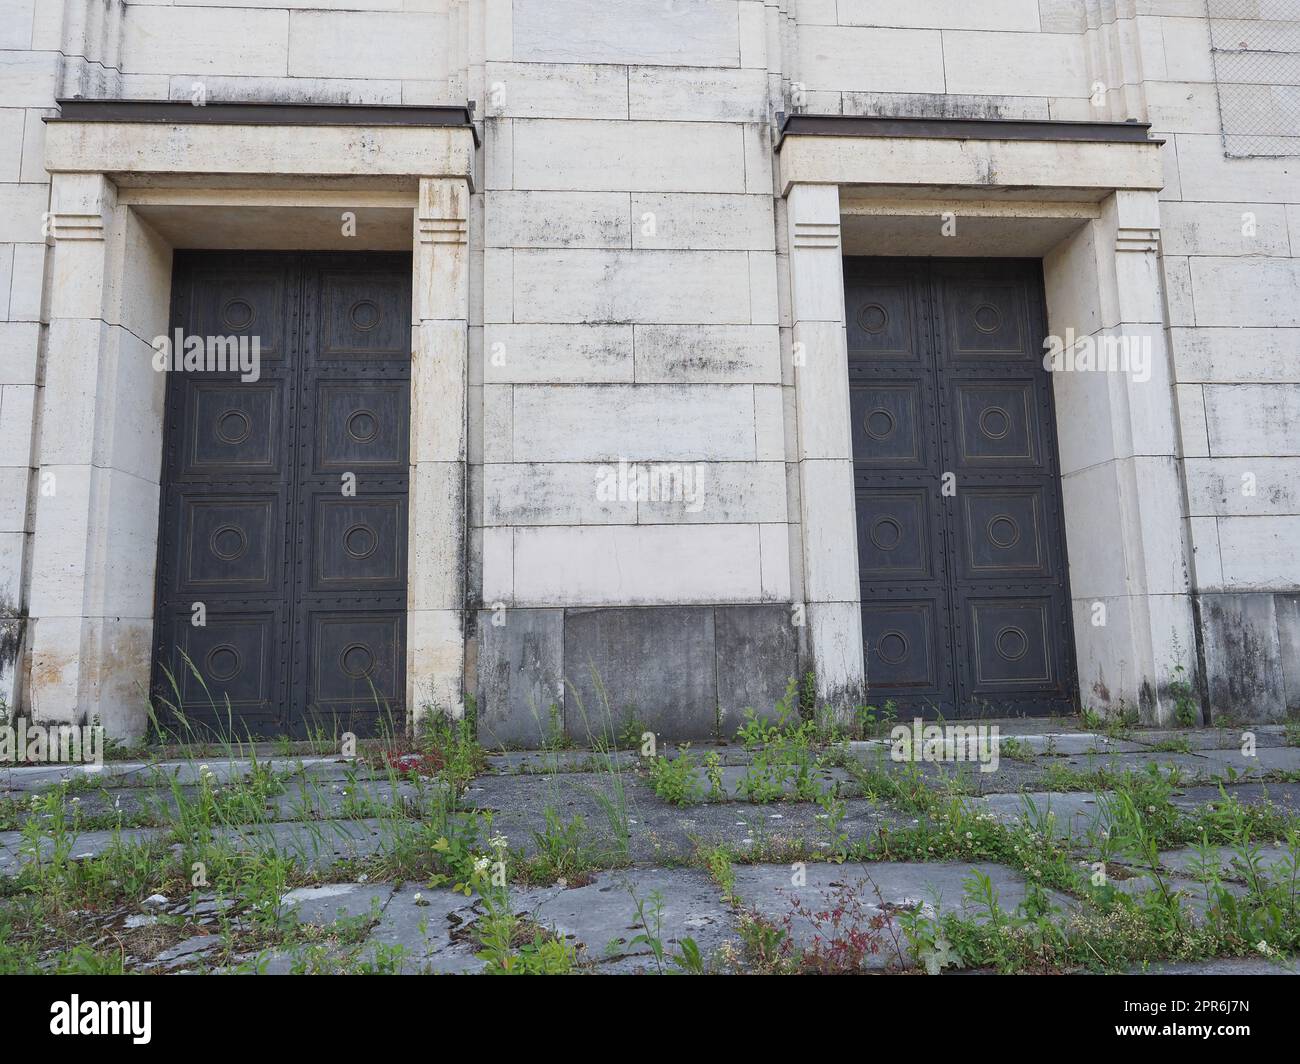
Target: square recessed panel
229 542
355 662
233 426
362 425
887 427
894 535
997 424
229 657
986 318
1003 532
358 542
901 641
1009 642
879 322
364 314
247 303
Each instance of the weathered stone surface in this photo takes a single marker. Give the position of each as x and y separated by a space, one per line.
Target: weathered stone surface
1281 794
656 665
84 844
657 831
520 676
431 926
1270 857
757 656
1071 814
1243 656
878 888
1067 743
335 901
1287 608
600 919
1265 759
187 952
314 845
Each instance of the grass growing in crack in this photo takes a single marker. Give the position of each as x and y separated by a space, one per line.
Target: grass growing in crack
676 779
217 841
564 853
783 760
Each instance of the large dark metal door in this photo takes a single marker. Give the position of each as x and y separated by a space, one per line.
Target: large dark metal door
282 549
965 601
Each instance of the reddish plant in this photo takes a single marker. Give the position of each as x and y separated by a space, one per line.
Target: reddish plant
845 932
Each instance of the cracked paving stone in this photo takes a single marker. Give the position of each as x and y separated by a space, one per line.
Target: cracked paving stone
769 890
600 918
434 932
327 904
187 951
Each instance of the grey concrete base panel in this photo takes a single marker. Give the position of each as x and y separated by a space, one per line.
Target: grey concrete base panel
520 675
1243 656
757 656
654 664
685 672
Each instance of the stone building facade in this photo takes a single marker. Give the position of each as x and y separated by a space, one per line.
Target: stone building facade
727 327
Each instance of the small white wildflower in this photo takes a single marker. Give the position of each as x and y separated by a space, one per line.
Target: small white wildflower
482 864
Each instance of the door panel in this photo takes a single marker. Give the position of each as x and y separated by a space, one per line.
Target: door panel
964 599
894 407
285 498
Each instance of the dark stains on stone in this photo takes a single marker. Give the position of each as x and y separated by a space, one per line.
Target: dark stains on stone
1243 656
13 623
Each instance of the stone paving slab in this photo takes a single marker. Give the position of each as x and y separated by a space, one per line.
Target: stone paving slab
1212 738
1285 795
23 778
1265 759
1271 858
549 762
1075 814
315 845
658 831
1008 775
304 798
600 919
327 904
770 891
85 844
432 926
1069 743
1193 766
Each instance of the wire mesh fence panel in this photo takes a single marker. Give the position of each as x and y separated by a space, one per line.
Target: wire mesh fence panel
1256 50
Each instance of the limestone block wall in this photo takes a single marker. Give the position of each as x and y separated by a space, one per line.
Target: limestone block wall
48 48
630 323
630 302
1231 254
288 51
